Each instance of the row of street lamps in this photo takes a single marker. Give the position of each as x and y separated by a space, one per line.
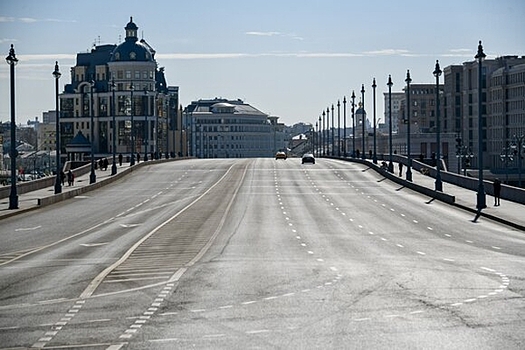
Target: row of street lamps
323 127
12 60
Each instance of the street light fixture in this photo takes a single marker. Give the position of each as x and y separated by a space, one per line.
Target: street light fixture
374 85
390 163
408 80
338 128
13 196
328 138
363 117
324 135
58 179
146 129
132 160
481 200
319 138
344 126
114 165
518 148
92 176
333 132
353 123
438 183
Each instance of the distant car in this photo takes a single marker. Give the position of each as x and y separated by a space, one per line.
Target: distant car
308 158
280 155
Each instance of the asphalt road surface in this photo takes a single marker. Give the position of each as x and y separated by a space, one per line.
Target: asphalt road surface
259 254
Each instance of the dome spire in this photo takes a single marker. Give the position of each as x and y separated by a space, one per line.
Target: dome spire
131 29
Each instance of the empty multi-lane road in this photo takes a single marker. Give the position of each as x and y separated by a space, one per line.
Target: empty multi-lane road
259 254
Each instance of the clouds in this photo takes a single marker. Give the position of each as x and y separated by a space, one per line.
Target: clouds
4 19
292 36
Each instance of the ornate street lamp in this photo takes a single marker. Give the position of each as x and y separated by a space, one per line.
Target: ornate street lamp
132 160
92 176
375 144
319 138
13 196
518 148
481 200
146 128
316 143
114 165
333 132
408 80
390 163
338 128
353 123
438 183
58 179
323 133
363 117
328 152
344 126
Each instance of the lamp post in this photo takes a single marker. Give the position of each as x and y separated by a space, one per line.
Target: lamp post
390 162
338 128
132 160
344 127
438 183
328 138
506 157
353 123
166 108
146 131
315 142
319 138
323 134
13 196
481 200
408 80
58 179
333 132
518 148
114 165
155 109
92 176
363 153
374 85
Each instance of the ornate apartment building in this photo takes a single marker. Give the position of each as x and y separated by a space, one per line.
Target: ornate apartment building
119 90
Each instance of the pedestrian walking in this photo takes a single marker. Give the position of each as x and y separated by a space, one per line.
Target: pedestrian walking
400 169
70 178
106 164
138 157
497 191
120 159
62 177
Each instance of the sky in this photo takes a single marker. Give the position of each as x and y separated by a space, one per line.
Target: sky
290 59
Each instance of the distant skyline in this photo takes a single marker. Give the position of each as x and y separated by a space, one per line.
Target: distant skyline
289 59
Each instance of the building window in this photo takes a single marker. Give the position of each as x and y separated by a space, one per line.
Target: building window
120 74
128 74
132 55
137 75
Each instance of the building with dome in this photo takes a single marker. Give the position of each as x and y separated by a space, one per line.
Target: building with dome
120 90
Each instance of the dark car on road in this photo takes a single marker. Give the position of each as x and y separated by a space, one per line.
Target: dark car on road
308 158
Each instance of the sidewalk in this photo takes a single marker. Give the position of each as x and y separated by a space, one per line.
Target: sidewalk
45 196
508 212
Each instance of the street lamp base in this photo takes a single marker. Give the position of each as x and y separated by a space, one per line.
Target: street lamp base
409 174
439 185
481 200
13 201
92 177
391 167
114 168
